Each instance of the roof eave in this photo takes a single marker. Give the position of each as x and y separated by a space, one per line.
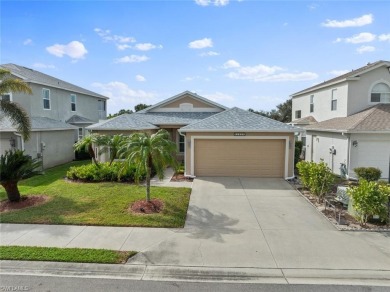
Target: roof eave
241 130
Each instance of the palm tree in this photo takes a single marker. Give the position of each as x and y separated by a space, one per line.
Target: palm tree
14 166
111 144
149 151
86 144
12 110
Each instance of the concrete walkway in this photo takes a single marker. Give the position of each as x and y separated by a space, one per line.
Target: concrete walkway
233 224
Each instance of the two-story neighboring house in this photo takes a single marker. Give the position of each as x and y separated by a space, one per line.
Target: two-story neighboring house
59 112
347 119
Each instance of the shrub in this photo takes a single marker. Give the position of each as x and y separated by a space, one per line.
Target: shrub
303 170
368 173
368 199
105 172
298 151
321 179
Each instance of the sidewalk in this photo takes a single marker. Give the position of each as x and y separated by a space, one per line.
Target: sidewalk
166 182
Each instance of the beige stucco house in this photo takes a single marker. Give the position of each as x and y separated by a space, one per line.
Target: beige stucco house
212 139
59 112
347 119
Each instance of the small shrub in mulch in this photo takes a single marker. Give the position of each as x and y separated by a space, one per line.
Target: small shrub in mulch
145 207
25 201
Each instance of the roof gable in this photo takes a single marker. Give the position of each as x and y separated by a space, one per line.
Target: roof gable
345 77
185 102
32 76
236 119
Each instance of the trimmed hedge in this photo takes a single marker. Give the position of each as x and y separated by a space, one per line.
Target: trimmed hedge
103 172
368 173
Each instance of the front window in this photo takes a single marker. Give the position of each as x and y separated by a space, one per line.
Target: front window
6 97
311 103
380 93
80 132
298 114
73 102
333 104
181 143
46 98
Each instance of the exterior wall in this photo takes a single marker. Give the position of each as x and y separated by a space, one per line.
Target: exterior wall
359 92
371 150
58 147
187 99
318 146
60 104
188 146
322 103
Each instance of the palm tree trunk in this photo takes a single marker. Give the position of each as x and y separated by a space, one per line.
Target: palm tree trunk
148 171
92 154
11 188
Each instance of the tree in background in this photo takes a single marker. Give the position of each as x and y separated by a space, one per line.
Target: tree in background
282 113
12 110
137 108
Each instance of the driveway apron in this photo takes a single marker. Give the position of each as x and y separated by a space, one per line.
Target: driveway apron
263 223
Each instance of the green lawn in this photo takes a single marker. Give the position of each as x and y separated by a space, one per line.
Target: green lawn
55 254
95 203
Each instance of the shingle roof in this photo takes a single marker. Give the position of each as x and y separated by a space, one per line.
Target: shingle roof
353 73
144 121
76 119
236 119
305 121
30 75
373 119
37 124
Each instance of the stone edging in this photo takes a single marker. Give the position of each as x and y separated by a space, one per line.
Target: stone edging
337 226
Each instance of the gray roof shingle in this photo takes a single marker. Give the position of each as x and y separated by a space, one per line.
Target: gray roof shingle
37 124
76 119
124 122
372 119
30 75
236 119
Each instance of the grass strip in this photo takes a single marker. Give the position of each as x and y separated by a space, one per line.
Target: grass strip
56 254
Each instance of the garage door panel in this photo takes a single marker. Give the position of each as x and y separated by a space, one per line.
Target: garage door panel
252 158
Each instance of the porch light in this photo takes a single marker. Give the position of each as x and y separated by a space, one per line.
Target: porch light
355 143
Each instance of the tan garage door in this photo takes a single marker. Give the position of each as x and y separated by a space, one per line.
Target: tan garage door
251 158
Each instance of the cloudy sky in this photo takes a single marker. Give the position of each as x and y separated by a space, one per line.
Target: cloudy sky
250 54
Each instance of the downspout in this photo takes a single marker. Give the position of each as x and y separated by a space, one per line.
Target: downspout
348 155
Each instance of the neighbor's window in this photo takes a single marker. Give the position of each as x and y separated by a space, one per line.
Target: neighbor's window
6 97
380 93
101 105
311 103
298 114
73 102
333 104
80 133
46 98
181 143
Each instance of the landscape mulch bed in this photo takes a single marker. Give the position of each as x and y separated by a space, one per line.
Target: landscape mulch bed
145 207
181 177
25 201
341 219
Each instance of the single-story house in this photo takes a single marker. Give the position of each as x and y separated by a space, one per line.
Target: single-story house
212 139
359 140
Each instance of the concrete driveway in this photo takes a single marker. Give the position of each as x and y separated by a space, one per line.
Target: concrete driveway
262 223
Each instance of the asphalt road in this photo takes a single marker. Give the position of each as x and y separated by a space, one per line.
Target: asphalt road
43 283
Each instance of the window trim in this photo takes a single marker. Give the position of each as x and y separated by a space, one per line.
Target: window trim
7 93
311 103
333 101
44 98
181 143
300 114
79 137
73 103
372 87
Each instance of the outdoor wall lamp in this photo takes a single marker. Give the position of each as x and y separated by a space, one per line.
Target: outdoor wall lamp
355 143
12 142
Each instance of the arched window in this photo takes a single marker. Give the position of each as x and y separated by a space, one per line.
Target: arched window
380 93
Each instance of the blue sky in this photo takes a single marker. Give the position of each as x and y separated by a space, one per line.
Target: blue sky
250 54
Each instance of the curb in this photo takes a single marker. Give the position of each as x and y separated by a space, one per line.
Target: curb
198 274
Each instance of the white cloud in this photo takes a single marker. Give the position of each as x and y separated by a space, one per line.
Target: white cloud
209 54
231 64
74 50
338 72
384 37
121 42
201 44
219 97
265 73
191 78
365 49
132 59
212 2
364 37
122 47
43 66
27 42
140 78
355 22
146 47
122 96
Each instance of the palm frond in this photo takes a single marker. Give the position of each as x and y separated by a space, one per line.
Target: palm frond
18 117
